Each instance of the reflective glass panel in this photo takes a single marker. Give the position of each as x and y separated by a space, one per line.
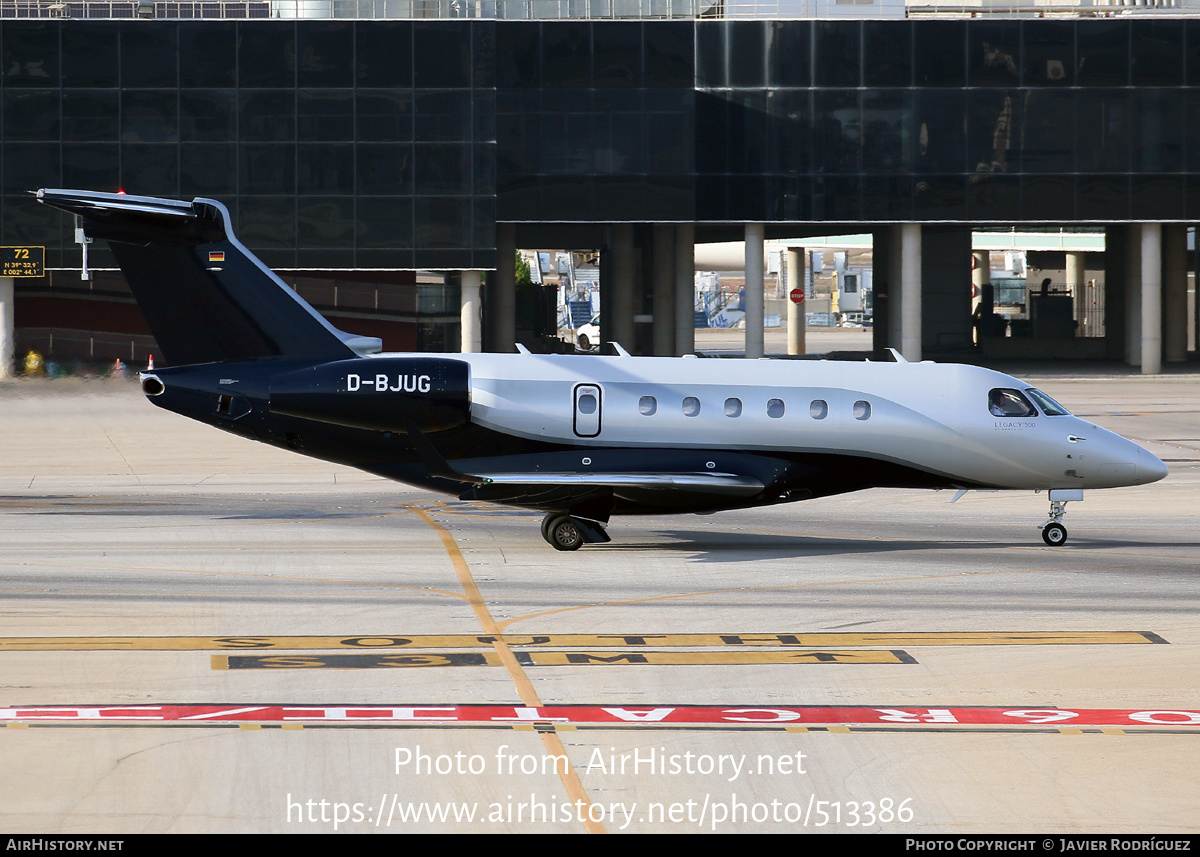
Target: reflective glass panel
266 54
90 57
1049 407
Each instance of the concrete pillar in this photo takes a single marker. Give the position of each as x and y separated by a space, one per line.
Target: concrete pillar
945 270
685 288
981 272
664 290
8 341
795 311
502 292
616 298
895 258
981 275
910 291
1194 288
754 290
1133 296
1152 288
471 327
1175 288
1116 241
881 250
1076 275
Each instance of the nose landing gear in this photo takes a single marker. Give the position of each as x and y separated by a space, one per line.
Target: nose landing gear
1053 531
1054 534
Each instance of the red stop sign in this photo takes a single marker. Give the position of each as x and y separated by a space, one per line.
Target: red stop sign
797 296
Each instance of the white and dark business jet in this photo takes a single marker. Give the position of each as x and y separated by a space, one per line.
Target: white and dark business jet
580 437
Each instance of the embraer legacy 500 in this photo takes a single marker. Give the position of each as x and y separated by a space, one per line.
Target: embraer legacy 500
580 437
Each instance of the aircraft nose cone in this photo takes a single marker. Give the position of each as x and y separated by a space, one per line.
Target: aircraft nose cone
1149 467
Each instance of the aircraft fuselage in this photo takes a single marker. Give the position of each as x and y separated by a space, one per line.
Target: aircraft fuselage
571 433
581 437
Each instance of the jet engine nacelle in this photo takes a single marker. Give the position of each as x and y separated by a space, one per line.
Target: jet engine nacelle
381 393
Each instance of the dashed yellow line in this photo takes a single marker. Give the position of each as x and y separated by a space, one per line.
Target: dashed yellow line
570 778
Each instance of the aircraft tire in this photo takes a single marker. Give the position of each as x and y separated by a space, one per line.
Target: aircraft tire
565 534
1054 535
546 521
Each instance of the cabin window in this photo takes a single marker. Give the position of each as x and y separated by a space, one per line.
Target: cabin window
587 404
1009 403
648 406
862 410
733 407
818 409
775 408
1049 407
691 407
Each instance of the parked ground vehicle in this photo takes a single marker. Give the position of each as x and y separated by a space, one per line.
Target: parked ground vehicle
587 336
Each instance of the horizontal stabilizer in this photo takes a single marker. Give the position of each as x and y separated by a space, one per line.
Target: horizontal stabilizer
206 297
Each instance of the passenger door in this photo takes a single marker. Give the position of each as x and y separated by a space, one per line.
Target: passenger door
588 401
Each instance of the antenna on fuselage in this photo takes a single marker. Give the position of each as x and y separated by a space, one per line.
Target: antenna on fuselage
897 357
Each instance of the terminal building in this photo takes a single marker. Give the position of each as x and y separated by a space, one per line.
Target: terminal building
388 157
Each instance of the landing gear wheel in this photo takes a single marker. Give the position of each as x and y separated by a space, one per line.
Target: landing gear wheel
546 522
564 534
1054 534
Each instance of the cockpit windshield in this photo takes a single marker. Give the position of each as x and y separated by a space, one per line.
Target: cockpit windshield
1004 402
1049 407
1010 403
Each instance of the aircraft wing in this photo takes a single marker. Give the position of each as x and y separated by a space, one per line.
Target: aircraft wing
707 482
594 495
556 479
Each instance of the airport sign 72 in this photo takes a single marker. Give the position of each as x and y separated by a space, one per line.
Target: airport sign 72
22 261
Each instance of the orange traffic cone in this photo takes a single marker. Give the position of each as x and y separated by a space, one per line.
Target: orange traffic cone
150 364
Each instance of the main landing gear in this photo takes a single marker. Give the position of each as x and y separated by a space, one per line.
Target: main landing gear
565 533
1053 532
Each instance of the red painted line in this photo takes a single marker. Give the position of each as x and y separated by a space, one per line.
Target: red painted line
748 715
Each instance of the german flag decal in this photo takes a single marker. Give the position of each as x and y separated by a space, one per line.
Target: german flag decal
216 255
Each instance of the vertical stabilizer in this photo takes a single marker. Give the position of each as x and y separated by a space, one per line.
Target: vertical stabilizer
206 298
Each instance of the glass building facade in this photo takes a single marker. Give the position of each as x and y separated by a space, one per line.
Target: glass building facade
960 121
398 145
596 122
334 144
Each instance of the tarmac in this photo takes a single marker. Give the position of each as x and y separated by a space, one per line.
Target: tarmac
202 634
